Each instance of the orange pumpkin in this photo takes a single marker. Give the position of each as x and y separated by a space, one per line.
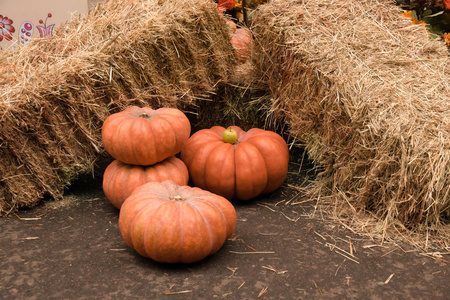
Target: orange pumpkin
256 163
175 224
143 136
241 40
224 5
120 179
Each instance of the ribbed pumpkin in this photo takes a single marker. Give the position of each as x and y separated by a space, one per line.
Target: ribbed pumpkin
120 179
254 164
143 136
241 40
175 224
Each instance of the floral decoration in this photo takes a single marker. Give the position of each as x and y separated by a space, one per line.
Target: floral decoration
45 30
6 28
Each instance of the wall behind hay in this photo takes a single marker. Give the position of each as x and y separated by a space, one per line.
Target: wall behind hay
368 93
57 92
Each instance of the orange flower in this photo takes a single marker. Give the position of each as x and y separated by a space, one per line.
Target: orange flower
408 14
446 38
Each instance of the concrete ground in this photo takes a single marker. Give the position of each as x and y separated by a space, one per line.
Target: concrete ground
72 249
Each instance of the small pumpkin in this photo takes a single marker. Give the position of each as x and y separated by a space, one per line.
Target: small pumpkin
241 40
143 136
254 163
120 179
175 224
225 5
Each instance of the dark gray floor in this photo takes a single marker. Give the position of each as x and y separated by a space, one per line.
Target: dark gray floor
73 250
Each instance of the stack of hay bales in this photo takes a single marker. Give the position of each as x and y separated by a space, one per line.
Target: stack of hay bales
368 94
365 90
56 92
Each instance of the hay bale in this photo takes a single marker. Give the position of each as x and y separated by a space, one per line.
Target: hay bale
56 92
368 94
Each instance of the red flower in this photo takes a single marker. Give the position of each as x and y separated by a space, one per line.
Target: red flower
6 28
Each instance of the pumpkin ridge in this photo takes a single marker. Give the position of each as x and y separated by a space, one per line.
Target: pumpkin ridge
202 225
110 184
235 170
126 130
197 157
180 206
169 130
206 161
174 129
144 236
127 231
175 166
197 140
200 212
217 208
213 133
124 183
259 151
245 154
157 171
216 130
211 155
110 140
150 142
256 140
272 136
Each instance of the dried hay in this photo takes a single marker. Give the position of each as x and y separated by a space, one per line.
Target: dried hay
367 93
241 102
55 93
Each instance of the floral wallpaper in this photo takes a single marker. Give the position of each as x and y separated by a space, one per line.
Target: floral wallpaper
6 28
25 29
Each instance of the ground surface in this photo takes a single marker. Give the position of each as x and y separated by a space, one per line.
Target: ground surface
73 249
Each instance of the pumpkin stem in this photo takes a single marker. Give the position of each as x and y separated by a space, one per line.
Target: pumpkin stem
144 115
177 198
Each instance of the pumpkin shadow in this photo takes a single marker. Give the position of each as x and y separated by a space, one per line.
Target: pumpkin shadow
266 198
145 262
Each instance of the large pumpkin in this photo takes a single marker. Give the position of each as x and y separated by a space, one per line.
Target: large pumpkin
120 179
143 136
175 224
255 163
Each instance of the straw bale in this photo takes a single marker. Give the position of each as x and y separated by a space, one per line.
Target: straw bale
367 93
56 92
